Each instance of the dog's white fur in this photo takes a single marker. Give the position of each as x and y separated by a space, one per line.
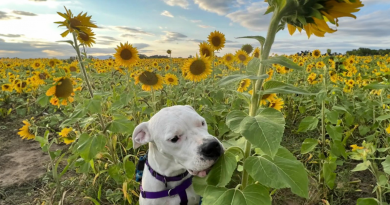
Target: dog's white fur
168 158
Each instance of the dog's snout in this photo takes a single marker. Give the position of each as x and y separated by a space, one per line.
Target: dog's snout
211 150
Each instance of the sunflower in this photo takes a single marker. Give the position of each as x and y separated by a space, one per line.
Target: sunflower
320 65
37 64
63 88
171 79
243 86
267 97
7 87
206 49
79 23
86 37
217 40
276 104
256 53
126 55
52 62
316 53
197 68
228 58
66 137
167 67
248 48
24 131
169 51
155 64
350 83
242 57
149 80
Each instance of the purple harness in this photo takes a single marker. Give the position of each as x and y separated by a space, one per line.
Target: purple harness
180 190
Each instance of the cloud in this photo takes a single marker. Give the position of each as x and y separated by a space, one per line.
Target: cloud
196 21
38 0
182 3
133 30
109 38
221 7
5 16
23 13
205 26
52 53
129 36
11 35
166 13
252 17
172 36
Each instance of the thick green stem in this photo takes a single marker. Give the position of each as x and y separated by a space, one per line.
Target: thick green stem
76 46
272 30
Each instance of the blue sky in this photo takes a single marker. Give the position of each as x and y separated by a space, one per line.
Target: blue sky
153 26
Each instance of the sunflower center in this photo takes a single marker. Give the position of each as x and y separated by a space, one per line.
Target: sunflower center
126 54
37 64
64 88
6 86
148 78
228 58
51 63
257 55
170 80
242 57
42 76
265 96
72 68
74 23
24 84
206 52
197 67
84 36
216 41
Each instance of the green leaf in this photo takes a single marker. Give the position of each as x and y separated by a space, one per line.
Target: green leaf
253 66
308 145
121 126
386 164
367 201
223 169
199 185
115 172
88 146
284 61
308 123
361 166
261 39
265 130
94 106
332 116
383 117
254 194
281 172
42 100
376 86
335 132
328 171
233 78
269 10
129 167
337 148
282 88
233 120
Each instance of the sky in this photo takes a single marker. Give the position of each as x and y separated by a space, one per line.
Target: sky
27 28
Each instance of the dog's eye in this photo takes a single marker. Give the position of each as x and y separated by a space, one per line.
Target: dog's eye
175 139
203 123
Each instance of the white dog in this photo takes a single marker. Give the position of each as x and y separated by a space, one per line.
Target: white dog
179 146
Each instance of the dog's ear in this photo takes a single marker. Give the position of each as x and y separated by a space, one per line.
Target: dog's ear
141 135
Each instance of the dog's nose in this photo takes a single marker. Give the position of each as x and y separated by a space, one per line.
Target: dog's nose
211 150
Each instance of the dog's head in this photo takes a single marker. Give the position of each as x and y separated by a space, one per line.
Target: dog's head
181 133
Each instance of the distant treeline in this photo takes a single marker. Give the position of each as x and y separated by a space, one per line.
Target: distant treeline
368 52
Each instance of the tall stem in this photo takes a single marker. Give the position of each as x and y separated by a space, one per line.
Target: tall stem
272 30
76 46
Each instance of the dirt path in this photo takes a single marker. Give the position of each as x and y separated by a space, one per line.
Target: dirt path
22 165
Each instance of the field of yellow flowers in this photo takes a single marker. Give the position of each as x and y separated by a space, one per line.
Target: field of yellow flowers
298 129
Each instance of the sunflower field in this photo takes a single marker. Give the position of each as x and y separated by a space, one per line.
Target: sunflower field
297 129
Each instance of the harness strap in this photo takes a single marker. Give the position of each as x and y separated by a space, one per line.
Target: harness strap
166 179
180 190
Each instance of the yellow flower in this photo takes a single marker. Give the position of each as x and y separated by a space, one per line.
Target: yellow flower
316 53
217 40
78 23
171 79
24 131
355 147
7 87
86 37
276 104
197 68
244 84
64 132
126 55
149 80
256 53
388 129
228 58
206 49
242 57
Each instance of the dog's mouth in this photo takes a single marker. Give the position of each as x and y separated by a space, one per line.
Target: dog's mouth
201 173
